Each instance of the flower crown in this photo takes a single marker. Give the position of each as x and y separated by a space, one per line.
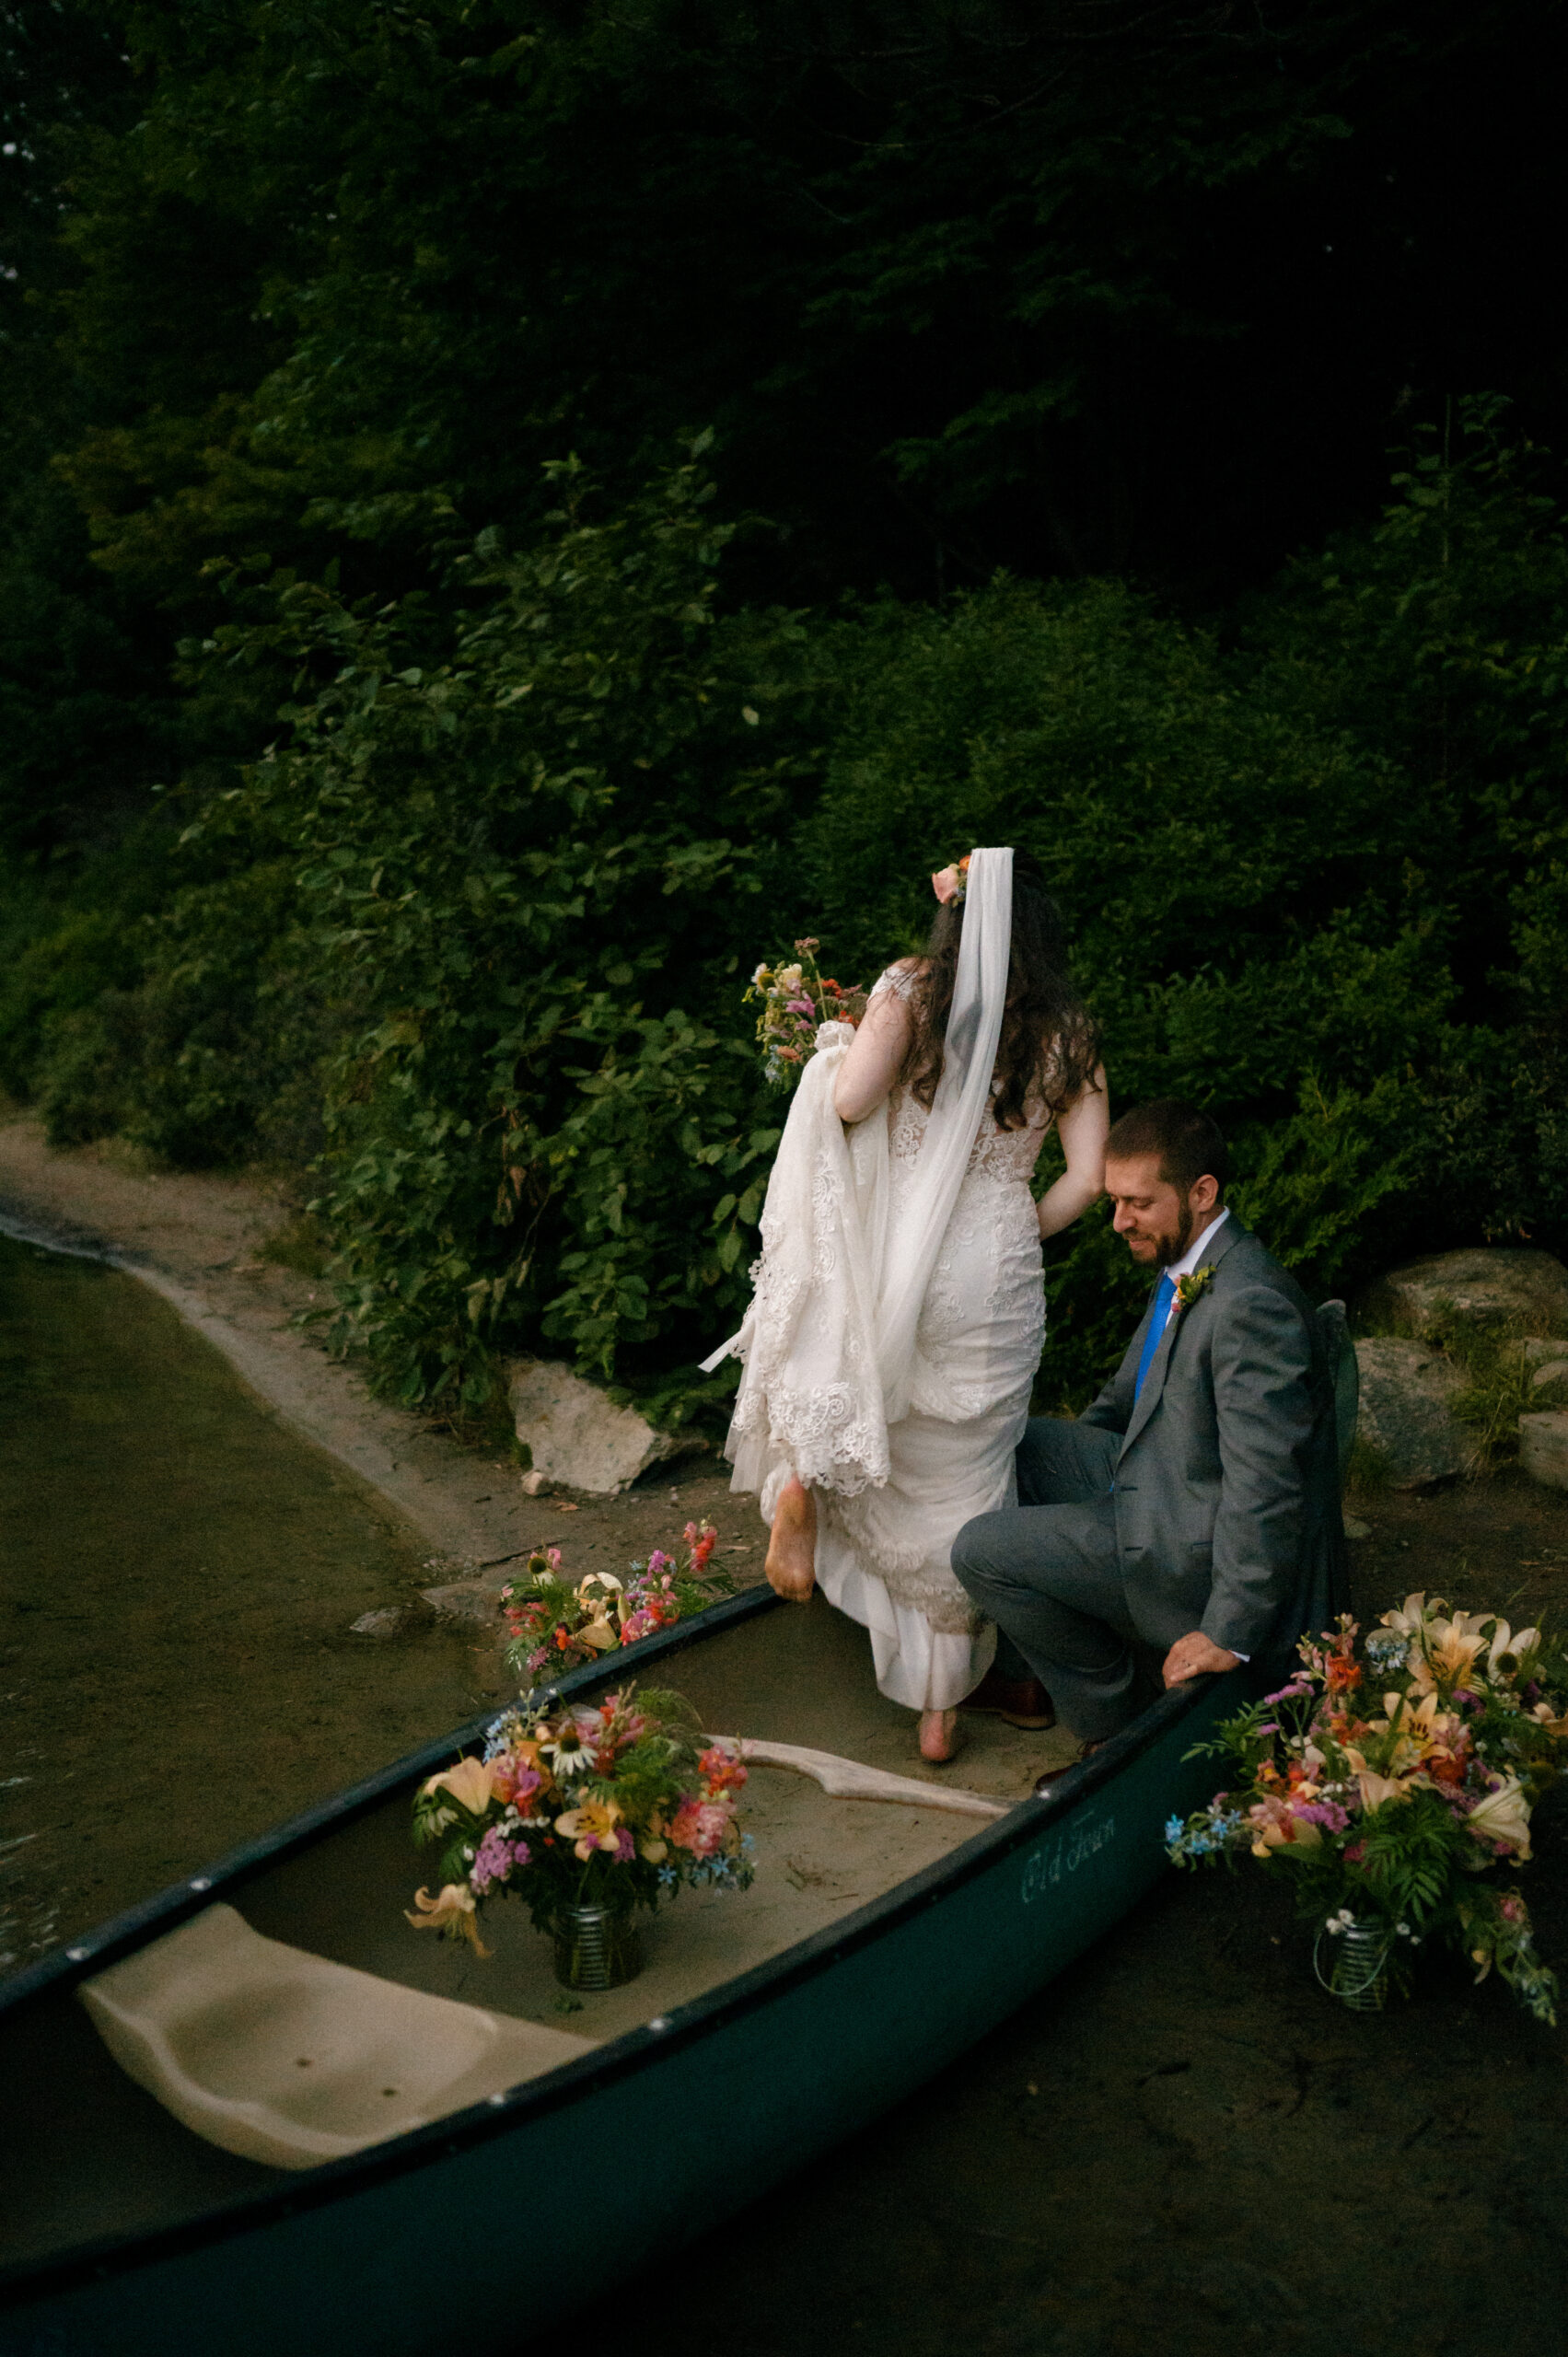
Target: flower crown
950 883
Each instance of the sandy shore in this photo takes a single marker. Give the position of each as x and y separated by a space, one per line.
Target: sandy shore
195 1237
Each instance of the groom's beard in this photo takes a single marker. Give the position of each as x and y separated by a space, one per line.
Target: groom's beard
1171 1248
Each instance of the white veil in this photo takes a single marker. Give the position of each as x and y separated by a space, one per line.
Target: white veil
827 1343
974 1029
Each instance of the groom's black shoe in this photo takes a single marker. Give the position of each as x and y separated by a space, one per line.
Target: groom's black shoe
1052 1776
1021 1701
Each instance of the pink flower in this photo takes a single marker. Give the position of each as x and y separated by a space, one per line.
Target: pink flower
514 1782
700 1826
494 1860
1328 1814
721 1771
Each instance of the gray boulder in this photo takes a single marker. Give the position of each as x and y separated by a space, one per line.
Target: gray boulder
577 1436
1407 1418
386 1623
476 1601
1495 1286
1543 1448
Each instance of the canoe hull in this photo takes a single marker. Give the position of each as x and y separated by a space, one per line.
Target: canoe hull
389 2252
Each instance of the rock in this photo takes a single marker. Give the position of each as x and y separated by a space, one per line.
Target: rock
535 1484
1354 1529
1494 1285
380 1625
474 1600
1555 1371
577 1436
1407 1419
1543 1448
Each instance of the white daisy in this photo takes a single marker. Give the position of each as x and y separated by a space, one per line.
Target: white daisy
567 1752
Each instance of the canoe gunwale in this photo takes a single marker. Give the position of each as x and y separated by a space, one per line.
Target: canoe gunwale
620 2057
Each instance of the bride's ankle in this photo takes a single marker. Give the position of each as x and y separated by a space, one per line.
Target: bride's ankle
939 1737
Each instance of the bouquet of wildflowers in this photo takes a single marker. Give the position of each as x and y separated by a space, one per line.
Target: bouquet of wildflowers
796 996
614 1803
1392 1776
556 1626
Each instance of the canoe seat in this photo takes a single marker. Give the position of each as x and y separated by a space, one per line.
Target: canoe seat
285 2058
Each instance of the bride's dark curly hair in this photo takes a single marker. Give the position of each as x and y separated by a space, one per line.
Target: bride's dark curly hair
1049 1044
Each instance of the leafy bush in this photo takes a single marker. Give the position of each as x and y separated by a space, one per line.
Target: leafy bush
476 929
1289 870
522 851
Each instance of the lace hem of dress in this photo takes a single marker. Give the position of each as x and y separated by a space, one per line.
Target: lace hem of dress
902 1566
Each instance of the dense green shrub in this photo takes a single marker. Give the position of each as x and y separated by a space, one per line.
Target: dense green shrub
476 929
524 850
1291 871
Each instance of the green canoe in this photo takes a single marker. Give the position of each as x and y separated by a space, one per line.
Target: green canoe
883 1936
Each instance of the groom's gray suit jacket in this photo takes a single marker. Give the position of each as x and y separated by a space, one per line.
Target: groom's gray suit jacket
1226 1482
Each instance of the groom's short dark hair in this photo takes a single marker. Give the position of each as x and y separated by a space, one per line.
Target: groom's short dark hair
1186 1139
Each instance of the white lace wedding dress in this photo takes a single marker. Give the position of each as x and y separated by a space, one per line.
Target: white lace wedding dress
896 1469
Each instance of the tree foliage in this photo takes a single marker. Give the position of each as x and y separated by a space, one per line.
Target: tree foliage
385 790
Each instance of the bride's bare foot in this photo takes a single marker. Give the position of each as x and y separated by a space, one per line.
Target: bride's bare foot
939 1736
791 1562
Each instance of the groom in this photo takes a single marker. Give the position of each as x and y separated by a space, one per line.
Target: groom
1195 1506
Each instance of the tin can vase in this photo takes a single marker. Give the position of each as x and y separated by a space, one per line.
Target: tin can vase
596 1947
1358 1966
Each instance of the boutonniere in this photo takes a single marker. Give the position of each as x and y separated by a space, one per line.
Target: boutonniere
1189 1288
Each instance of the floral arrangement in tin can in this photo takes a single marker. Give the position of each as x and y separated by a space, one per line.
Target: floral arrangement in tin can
1390 1781
610 1805
556 1625
795 996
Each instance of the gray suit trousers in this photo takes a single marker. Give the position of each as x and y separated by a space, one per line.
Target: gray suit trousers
1047 1573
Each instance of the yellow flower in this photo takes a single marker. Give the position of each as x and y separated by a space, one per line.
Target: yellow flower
469 1783
590 1826
789 979
1405 1620
452 1911
1446 1650
1504 1816
1377 1789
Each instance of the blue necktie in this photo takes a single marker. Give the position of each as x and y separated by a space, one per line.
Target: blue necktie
1157 1324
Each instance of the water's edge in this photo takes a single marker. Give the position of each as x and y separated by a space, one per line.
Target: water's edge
311 1394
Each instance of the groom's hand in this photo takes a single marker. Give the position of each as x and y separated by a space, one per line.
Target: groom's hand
1192 1654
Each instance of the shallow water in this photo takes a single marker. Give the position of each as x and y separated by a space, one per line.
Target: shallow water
178 1571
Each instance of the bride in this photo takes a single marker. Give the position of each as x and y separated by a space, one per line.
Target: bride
898 1307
